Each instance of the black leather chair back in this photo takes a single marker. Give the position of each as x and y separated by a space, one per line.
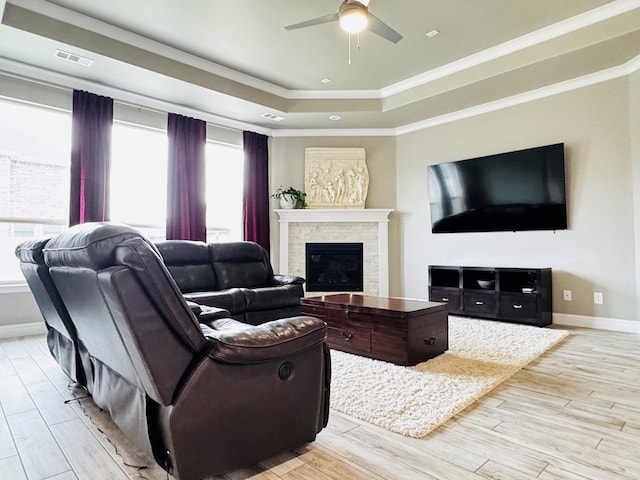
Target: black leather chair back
140 334
62 338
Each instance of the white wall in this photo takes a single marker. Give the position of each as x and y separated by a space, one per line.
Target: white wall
596 253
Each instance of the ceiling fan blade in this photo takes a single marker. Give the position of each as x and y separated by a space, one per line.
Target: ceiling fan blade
332 17
378 27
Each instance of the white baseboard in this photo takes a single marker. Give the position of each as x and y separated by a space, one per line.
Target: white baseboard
600 323
22 329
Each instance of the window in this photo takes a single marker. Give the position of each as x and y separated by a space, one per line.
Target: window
138 190
224 177
35 151
139 183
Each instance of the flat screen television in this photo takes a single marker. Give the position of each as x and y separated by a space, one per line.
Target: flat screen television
514 191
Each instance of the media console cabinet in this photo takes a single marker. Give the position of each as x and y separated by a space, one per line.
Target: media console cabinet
521 295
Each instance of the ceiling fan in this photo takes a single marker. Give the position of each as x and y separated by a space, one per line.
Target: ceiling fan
354 16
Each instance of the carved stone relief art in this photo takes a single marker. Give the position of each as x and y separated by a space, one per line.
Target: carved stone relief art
335 177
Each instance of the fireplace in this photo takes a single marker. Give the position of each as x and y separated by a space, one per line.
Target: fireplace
368 226
334 267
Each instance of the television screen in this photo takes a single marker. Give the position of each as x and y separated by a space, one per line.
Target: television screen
514 191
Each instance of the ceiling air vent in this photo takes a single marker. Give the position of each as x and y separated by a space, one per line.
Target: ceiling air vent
271 116
73 58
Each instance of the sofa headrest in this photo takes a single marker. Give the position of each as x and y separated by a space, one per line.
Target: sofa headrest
88 245
31 251
236 252
183 252
240 264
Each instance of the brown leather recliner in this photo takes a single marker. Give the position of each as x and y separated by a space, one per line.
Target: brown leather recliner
202 399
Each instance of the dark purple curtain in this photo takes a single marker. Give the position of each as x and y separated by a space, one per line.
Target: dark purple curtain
90 157
186 208
255 205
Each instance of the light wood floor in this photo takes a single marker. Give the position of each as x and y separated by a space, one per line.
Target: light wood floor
572 414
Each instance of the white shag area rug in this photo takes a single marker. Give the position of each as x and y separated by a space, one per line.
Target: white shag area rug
413 401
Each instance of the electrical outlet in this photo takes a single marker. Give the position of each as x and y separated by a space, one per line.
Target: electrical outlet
566 295
597 298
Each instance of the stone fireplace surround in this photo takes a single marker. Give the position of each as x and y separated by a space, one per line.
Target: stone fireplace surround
370 226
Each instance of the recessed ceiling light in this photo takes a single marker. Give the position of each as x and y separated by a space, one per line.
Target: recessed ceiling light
271 116
432 33
73 58
335 118
325 80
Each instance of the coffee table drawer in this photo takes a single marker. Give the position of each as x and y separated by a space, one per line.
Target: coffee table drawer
349 339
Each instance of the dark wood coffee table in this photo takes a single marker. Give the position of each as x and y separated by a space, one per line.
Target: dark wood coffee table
404 332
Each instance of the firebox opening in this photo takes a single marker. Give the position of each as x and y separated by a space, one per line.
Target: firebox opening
334 267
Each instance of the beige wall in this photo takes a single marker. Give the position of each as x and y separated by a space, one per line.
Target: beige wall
596 253
634 135
18 308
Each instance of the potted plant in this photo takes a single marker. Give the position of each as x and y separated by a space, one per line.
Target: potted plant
290 197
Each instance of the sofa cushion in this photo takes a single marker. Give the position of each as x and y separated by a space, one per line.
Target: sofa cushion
240 264
231 299
266 298
189 263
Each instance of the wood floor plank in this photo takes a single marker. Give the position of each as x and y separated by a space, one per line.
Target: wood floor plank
14 397
358 454
6 367
7 445
64 476
50 403
29 370
389 446
38 450
90 461
11 468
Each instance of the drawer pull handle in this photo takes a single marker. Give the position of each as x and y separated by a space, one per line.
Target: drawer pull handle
478 302
517 306
445 299
346 336
430 341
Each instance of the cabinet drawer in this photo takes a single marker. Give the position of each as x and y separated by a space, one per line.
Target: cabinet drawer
518 306
480 303
349 339
450 296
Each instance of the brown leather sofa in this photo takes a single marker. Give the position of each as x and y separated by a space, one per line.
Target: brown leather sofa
235 276
202 400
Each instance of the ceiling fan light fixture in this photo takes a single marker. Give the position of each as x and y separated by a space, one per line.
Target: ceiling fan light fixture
353 17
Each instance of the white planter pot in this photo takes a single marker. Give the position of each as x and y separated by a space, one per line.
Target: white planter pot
287 202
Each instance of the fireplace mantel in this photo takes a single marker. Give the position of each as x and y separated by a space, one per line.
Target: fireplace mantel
332 216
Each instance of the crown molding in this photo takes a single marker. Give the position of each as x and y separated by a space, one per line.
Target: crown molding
537 94
545 34
338 132
69 82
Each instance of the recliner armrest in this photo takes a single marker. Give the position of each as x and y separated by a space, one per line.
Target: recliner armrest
278 280
237 342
